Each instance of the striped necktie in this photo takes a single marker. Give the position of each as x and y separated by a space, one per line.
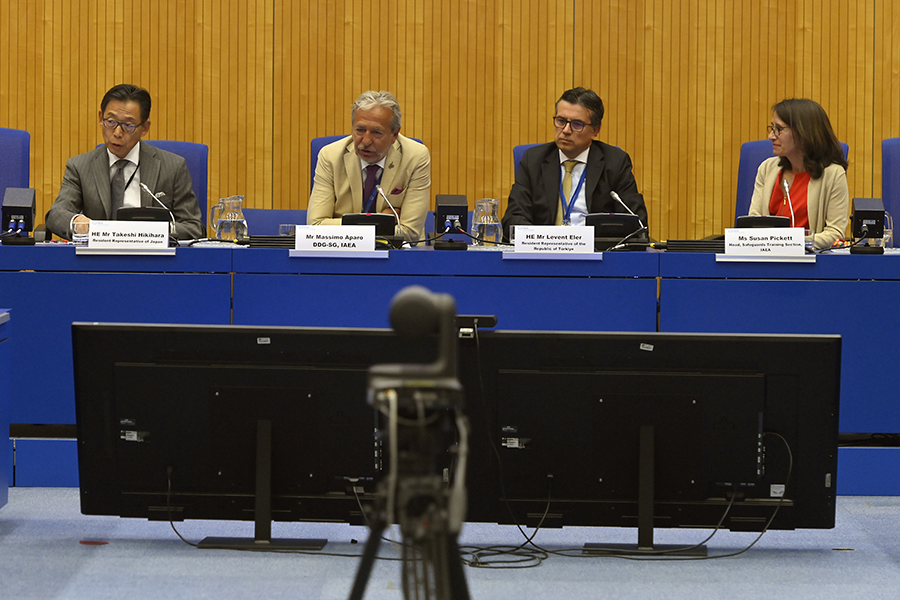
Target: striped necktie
117 188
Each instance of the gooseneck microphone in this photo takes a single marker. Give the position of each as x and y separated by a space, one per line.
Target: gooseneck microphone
393 210
631 212
157 197
786 187
622 243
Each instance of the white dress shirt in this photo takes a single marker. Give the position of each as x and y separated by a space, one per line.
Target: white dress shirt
576 217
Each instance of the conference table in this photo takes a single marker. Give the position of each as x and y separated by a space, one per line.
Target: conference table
47 287
617 293
855 296
5 448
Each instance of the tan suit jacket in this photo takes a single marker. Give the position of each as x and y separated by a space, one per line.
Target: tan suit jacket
827 200
338 185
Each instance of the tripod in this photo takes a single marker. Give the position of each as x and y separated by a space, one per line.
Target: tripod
424 428
432 568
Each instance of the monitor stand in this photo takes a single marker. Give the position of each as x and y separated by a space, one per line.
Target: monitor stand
645 545
262 539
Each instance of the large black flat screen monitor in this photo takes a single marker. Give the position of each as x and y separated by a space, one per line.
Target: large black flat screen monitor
739 425
161 405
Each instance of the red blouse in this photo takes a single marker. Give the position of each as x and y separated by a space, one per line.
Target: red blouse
799 191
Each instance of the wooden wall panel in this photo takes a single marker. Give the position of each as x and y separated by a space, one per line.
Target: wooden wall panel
886 89
474 78
699 79
684 83
206 63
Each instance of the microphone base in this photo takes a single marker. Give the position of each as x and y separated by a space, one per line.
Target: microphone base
866 250
602 244
17 240
450 246
388 241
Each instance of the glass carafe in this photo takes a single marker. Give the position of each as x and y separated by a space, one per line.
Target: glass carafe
227 218
486 223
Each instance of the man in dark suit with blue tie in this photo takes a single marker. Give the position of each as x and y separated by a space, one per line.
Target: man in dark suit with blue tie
561 182
96 184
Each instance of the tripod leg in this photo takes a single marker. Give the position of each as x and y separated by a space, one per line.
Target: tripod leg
458 588
368 560
433 569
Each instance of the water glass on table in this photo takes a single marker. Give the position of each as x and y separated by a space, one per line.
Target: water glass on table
80 231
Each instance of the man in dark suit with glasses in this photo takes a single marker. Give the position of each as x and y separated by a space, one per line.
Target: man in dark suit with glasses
561 182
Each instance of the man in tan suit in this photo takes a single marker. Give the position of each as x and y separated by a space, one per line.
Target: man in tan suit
349 170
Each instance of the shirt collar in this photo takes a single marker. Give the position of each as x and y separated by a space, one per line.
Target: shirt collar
582 158
363 164
134 156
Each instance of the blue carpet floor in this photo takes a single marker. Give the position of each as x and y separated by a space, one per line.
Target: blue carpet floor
43 555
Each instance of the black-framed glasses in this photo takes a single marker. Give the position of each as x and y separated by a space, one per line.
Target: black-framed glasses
577 126
126 127
776 129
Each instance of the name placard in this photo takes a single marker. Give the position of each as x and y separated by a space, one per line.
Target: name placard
765 241
130 235
346 238
554 238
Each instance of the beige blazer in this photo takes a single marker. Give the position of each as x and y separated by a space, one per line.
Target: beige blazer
338 185
828 200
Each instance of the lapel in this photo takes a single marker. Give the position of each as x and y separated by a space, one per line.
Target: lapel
391 167
813 191
149 172
353 176
99 169
551 178
596 161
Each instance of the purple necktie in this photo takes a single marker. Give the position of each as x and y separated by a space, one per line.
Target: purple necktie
369 188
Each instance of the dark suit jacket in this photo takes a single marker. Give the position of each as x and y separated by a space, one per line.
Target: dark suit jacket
534 198
85 189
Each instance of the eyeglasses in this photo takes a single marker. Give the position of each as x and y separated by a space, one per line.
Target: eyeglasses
577 126
776 129
126 127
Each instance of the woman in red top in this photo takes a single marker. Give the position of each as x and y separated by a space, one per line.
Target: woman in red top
809 158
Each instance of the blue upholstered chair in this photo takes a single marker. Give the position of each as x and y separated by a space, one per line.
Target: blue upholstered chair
518 151
314 147
14 161
197 158
752 155
890 176
265 221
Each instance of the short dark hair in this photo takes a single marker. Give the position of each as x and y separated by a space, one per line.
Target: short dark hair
813 133
586 98
125 92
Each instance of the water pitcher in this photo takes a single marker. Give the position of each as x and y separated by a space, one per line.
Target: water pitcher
486 223
227 218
